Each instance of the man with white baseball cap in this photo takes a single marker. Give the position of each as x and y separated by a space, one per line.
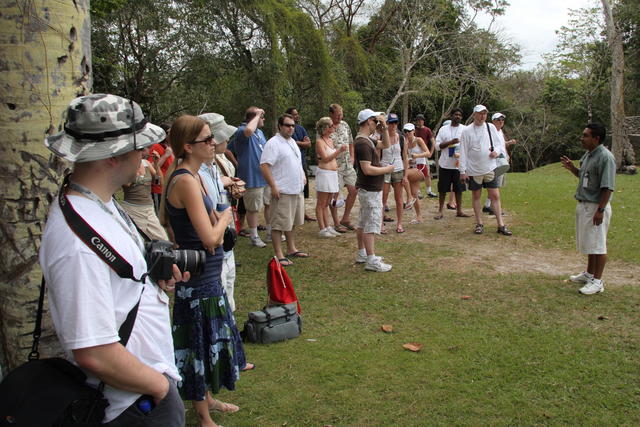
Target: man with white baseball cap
479 148
498 121
106 137
369 183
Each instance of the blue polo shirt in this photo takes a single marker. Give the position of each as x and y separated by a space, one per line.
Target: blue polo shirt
298 135
248 151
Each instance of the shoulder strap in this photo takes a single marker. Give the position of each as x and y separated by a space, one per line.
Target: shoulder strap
490 139
124 332
95 241
222 168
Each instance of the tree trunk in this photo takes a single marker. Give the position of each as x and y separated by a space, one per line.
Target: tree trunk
46 62
620 145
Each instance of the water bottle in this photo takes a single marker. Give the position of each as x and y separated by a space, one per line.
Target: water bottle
145 405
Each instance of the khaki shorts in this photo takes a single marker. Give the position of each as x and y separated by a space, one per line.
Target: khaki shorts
257 197
394 177
346 176
591 239
287 212
370 219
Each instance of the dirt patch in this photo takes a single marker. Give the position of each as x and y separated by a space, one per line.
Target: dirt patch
491 252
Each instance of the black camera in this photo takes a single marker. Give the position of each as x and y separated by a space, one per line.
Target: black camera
161 256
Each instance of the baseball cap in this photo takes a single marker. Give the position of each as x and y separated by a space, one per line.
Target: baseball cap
497 116
409 127
393 118
366 114
478 108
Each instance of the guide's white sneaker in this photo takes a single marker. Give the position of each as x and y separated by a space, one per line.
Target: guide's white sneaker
583 277
593 286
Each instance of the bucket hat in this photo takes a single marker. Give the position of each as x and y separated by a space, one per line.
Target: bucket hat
100 126
219 128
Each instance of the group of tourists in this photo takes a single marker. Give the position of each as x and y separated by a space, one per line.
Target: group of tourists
180 182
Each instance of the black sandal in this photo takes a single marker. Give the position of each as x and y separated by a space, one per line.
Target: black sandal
504 231
479 229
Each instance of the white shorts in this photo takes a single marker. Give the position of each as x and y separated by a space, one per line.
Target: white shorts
327 181
591 239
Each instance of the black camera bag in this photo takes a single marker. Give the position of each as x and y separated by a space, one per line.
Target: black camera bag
53 391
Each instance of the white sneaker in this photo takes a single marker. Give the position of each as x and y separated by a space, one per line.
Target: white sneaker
334 232
257 241
593 286
326 233
583 277
361 259
377 265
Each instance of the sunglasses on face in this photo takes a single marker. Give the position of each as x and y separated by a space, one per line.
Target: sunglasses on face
501 119
289 125
207 140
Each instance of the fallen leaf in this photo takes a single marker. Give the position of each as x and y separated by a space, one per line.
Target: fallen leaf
412 346
603 318
465 297
387 328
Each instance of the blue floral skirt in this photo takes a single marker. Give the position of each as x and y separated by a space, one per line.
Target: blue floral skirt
208 348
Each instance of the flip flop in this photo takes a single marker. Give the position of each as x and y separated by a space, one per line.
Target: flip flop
384 231
249 367
347 225
452 208
439 216
285 262
415 221
244 233
221 406
387 219
463 215
399 229
298 254
340 229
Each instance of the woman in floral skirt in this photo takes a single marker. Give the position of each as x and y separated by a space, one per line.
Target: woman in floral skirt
208 348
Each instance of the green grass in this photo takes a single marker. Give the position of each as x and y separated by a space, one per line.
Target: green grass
524 349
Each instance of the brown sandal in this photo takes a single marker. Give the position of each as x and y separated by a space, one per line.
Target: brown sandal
479 229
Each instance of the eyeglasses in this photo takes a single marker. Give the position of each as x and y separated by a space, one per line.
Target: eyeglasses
289 125
207 140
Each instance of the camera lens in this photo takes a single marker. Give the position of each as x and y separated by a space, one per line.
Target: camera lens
190 260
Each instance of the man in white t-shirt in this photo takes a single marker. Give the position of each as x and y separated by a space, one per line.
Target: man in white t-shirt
477 164
282 169
106 137
498 121
448 143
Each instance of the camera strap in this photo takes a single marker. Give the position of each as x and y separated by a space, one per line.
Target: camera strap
93 239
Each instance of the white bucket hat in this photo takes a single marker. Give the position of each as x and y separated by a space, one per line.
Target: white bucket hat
219 128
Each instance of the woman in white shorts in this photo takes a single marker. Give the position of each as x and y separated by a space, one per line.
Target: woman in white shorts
326 174
418 154
395 155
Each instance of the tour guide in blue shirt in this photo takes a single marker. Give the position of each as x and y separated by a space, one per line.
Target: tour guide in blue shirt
247 145
596 182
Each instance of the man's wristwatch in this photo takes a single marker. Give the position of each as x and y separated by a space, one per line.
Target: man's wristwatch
601 210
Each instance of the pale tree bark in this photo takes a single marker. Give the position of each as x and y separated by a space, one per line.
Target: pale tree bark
46 62
620 145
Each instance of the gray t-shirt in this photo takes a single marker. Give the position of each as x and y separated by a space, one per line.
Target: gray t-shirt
597 171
